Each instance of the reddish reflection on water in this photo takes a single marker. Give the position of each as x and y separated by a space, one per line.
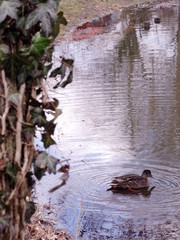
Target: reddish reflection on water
97 26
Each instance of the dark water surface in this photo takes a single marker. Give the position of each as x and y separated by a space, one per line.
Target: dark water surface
120 115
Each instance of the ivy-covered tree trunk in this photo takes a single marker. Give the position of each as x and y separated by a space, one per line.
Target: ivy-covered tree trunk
16 156
27 29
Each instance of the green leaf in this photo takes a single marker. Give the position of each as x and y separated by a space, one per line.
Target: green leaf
50 127
23 75
20 22
4 48
45 70
14 99
38 117
60 20
45 161
58 112
45 13
11 171
28 133
39 44
12 65
59 71
34 103
47 140
68 62
68 80
39 172
9 8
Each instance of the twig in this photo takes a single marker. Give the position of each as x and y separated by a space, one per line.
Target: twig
79 217
6 110
1 95
80 221
19 124
21 174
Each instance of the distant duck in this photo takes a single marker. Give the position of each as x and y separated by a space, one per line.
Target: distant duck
131 182
157 20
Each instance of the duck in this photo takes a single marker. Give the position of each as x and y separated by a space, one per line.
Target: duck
157 20
131 182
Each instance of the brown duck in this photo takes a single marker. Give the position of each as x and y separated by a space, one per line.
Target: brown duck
131 182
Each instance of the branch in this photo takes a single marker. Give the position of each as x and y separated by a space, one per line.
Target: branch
21 174
19 124
6 110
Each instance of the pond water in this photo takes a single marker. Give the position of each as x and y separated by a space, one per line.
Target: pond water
120 115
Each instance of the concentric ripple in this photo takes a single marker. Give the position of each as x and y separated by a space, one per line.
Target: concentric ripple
120 116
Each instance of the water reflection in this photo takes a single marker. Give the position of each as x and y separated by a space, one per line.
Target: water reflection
121 114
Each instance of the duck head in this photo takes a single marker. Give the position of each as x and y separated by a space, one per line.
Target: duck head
146 173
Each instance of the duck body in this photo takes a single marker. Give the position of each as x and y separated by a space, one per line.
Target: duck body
131 181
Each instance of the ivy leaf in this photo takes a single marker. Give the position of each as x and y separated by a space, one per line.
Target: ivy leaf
20 22
50 127
45 70
47 140
46 162
60 20
28 132
68 80
45 13
22 76
14 99
68 62
11 171
39 44
39 172
58 112
34 103
9 8
12 64
38 117
4 49
59 71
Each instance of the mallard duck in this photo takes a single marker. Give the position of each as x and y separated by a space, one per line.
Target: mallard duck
131 182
